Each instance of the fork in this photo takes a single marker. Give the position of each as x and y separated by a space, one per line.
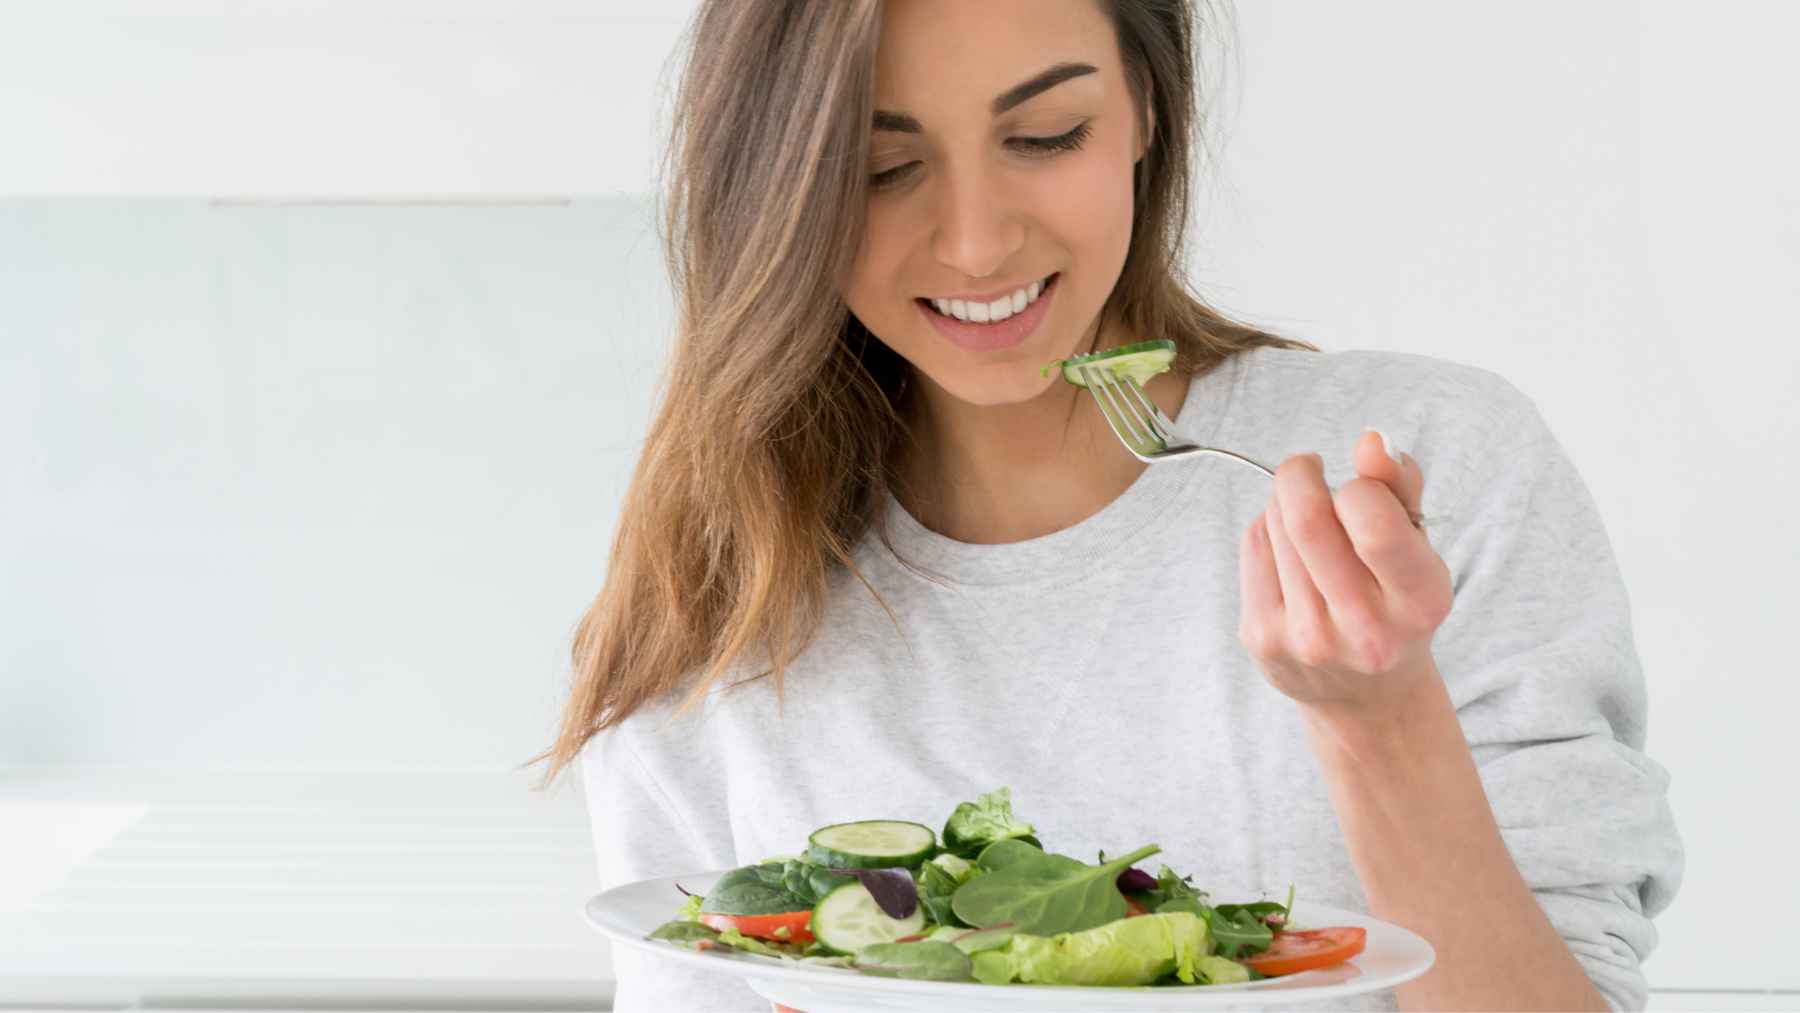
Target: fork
1152 437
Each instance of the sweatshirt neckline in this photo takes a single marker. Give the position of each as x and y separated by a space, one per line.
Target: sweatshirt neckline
1082 547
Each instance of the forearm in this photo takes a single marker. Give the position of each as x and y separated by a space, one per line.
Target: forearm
1424 842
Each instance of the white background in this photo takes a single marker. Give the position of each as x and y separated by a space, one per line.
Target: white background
311 470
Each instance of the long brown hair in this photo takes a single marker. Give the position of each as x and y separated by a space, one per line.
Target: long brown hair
766 460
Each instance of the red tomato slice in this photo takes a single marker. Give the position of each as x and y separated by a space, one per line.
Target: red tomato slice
1293 952
766 926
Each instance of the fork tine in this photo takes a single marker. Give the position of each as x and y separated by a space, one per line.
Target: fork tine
1165 426
1100 383
1141 422
1120 427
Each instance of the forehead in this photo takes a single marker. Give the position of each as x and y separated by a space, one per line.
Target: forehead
958 54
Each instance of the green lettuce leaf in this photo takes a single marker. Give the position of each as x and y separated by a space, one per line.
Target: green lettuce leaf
1130 951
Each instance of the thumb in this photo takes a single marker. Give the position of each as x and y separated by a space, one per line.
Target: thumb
1403 476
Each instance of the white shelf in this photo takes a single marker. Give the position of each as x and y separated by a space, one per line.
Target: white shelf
281 888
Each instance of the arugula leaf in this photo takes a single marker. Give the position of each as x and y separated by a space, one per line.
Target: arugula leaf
1044 894
975 825
1171 887
1237 931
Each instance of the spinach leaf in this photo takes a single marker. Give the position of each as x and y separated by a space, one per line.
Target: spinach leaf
975 825
809 882
754 890
936 887
1043 894
927 960
991 938
1003 853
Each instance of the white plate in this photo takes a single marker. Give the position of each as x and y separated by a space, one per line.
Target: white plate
629 913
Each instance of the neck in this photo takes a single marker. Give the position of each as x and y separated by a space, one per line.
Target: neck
989 474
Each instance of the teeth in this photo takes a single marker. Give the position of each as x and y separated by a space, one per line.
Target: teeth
990 312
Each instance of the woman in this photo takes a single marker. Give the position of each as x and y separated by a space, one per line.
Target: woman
874 562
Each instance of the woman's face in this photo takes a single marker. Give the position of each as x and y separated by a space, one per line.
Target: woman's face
1002 157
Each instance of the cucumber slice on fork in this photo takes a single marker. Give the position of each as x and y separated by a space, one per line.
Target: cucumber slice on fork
1139 361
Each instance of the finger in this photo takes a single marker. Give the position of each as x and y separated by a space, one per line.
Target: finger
1300 600
1259 585
1312 526
1396 554
1402 475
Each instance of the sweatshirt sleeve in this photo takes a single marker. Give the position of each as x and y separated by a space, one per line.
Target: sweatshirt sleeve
1539 658
638 834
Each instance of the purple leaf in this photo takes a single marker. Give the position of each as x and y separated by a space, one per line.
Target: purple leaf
1133 880
893 889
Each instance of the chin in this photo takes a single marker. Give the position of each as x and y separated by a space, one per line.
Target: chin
1009 385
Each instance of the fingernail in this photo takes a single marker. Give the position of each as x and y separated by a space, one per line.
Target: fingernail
1387 446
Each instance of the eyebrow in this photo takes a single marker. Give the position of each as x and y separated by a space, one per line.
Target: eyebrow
1019 93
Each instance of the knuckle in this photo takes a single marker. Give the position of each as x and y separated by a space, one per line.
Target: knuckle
1312 647
1259 638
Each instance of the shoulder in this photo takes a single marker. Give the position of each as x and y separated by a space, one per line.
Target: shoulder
1441 391
1467 426
1429 405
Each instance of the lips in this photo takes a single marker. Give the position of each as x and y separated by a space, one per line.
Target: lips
994 335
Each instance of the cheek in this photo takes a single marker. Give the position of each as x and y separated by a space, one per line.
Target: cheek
869 289
1084 207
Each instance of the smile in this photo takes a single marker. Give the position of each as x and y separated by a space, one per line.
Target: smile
994 311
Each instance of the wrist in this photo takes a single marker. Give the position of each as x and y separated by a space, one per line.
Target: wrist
1415 719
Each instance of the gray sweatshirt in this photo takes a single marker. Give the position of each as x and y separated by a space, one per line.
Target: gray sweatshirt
1097 672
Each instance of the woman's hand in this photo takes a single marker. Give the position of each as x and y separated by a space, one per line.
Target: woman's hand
1340 592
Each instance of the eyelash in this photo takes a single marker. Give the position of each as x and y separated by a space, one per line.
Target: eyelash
1034 146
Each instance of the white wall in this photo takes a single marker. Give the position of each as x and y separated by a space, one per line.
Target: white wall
268 470
309 488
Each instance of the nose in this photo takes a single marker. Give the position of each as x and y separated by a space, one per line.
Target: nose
977 227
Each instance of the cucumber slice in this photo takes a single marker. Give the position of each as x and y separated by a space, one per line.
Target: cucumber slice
872 844
1139 361
848 919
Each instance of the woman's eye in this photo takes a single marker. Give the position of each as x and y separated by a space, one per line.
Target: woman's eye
1070 141
891 177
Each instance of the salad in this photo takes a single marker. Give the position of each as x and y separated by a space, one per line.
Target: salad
985 902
